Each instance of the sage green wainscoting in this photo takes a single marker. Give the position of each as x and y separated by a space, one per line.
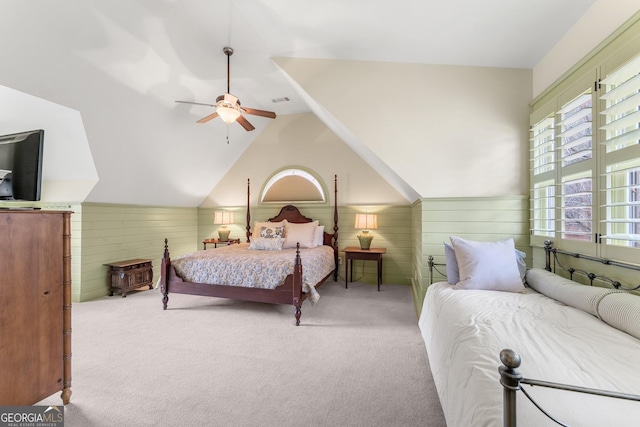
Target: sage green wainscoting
393 233
481 219
111 233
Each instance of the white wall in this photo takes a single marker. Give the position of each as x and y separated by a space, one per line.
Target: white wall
110 62
447 131
602 19
303 140
68 171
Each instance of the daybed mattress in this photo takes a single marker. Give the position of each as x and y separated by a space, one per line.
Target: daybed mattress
465 330
237 265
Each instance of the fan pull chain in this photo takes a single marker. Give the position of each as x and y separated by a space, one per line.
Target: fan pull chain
227 134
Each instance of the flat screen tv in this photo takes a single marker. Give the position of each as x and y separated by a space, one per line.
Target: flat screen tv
21 165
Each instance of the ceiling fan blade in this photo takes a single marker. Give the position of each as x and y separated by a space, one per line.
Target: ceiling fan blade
196 103
207 118
262 113
245 124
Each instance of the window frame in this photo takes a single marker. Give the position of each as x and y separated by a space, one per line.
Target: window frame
610 57
298 171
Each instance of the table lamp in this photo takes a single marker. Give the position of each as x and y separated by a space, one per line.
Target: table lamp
223 218
366 222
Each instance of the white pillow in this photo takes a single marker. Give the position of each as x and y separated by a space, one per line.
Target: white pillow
257 227
451 264
267 243
320 235
304 233
487 265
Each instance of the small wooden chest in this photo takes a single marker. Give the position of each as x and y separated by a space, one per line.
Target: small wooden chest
127 275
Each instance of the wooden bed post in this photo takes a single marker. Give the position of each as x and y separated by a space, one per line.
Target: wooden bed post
248 227
510 380
335 227
297 284
164 274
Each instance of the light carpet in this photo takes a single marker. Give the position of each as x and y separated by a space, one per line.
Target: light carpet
357 359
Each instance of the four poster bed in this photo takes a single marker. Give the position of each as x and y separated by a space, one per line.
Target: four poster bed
283 262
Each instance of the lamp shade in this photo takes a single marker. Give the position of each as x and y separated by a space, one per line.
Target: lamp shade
228 112
366 221
223 217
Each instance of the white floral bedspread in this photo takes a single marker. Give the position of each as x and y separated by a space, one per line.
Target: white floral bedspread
237 265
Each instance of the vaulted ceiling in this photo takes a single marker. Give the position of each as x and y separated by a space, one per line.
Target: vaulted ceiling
122 64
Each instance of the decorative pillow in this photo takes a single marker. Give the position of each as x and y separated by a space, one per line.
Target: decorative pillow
451 264
267 243
257 227
522 265
304 233
271 232
487 265
583 297
320 235
622 311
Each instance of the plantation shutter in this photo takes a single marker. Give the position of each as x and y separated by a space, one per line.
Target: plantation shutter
542 171
576 166
621 166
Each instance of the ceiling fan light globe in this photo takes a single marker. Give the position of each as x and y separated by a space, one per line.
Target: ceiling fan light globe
229 113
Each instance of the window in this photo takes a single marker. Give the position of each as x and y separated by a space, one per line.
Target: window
577 205
293 185
543 209
543 192
576 166
585 162
621 137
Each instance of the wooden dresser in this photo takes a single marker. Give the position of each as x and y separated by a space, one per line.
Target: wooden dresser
35 306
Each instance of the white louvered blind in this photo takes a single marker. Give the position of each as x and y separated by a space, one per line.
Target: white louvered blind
543 169
576 167
621 130
543 196
543 145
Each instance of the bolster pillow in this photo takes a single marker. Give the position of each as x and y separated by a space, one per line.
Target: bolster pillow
584 297
622 311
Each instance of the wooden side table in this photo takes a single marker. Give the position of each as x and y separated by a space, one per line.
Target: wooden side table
131 274
373 254
216 242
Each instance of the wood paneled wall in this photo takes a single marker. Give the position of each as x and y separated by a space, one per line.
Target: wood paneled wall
481 219
103 233
111 233
393 233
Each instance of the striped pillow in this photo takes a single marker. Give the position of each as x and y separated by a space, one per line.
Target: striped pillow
622 311
583 297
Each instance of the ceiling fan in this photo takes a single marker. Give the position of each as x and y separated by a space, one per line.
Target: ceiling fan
228 106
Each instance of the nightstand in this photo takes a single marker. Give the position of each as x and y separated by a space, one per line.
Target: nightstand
373 254
216 242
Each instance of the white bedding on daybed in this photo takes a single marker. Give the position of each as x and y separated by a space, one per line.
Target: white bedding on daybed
465 330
